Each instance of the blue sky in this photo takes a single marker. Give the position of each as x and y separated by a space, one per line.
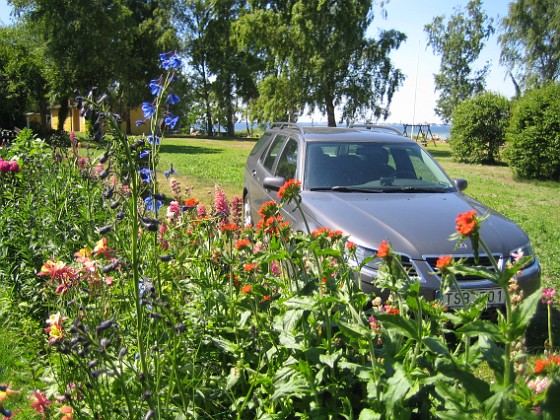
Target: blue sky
416 99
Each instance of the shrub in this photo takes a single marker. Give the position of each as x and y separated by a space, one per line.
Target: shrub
478 129
533 137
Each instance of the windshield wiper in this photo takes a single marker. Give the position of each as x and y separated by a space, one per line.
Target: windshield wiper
342 188
417 189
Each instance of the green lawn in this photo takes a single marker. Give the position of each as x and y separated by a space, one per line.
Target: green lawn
203 163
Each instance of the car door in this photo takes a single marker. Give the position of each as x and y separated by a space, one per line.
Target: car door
263 167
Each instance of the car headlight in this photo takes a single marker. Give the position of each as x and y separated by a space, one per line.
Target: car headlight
523 251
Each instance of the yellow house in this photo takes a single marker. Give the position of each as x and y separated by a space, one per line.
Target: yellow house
77 123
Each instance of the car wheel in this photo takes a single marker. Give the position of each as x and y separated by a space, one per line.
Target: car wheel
247 219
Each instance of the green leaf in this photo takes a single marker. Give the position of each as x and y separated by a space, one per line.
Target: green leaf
436 346
363 372
522 315
368 414
398 386
358 331
480 327
233 377
406 327
330 359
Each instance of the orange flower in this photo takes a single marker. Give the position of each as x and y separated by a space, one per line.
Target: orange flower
336 234
191 202
540 366
466 222
242 243
443 262
290 190
67 412
267 298
351 246
246 289
268 209
250 267
384 250
231 227
319 231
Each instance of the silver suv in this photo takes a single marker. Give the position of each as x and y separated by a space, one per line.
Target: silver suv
374 184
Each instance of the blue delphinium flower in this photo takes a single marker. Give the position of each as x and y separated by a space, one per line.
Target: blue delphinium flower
144 153
148 109
170 172
172 99
152 204
170 60
152 139
155 86
145 174
171 121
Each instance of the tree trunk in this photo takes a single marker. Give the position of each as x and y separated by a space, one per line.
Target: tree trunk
331 121
62 114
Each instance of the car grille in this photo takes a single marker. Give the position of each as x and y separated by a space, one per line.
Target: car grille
483 261
408 266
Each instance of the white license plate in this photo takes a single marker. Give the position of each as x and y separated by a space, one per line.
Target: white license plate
496 297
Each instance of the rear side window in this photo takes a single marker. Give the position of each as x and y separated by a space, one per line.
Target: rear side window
260 142
273 151
287 162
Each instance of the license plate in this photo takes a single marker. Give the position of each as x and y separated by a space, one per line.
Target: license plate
496 297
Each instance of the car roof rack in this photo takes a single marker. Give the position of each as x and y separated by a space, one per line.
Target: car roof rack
281 125
376 127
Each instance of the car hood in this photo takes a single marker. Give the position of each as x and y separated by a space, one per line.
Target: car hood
415 224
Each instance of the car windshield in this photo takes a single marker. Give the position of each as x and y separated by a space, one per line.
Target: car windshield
372 167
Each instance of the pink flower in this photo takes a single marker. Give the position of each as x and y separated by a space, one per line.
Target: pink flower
174 210
40 402
547 296
538 385
274 268
222 206
201 210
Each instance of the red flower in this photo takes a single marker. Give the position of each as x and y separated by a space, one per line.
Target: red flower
351 246
242 243
40 402
540 366
466 222
444 262
250 267
231 227
290 190
246 289
191 202
320 231
384 250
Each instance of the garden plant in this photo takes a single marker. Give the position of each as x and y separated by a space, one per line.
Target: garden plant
154 306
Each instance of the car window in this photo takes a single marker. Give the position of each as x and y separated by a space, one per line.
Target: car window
264 138
272 152
287 163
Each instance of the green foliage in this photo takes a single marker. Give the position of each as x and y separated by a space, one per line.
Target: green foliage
529 40
533 137
479 127
459 42
320 52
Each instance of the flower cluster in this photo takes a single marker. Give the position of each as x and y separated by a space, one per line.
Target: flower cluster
8 166
548 295
290 190
467 223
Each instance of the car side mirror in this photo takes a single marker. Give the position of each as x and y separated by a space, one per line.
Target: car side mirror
460 183
273 182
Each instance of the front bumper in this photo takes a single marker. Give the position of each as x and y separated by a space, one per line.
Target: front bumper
528 279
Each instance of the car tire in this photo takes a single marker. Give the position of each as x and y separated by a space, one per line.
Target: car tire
247 219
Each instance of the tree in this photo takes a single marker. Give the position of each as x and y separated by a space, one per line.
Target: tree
319 51
22 81
95 43
459 41
530 38
479 128
533 136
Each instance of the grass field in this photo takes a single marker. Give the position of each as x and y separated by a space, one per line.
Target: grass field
204 163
